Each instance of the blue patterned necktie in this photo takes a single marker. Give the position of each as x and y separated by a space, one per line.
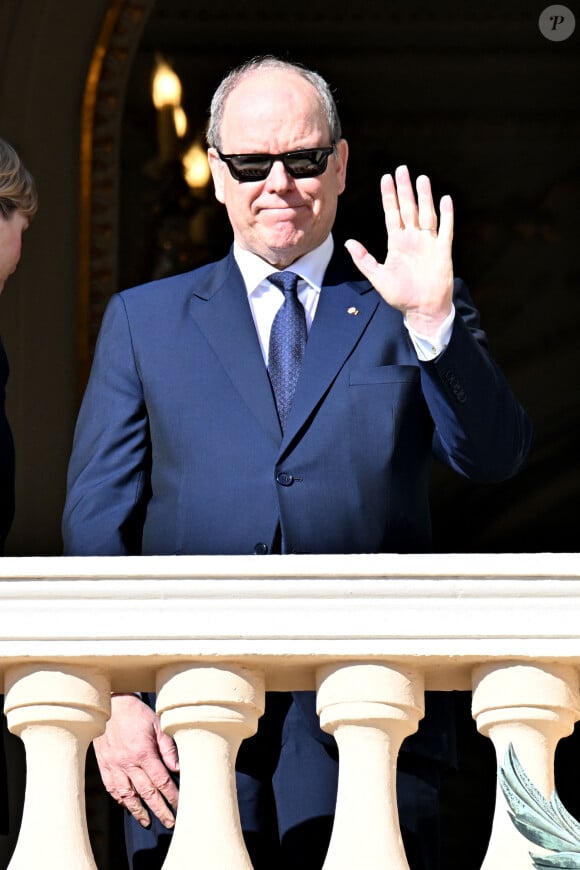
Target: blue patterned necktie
287 343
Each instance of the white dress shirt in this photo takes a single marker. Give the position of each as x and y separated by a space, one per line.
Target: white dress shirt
265 300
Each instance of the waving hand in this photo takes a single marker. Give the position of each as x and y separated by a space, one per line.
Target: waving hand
417 275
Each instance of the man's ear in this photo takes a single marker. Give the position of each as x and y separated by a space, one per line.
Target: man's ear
218 168
341 159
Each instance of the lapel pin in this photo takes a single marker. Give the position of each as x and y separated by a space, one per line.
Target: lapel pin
352 310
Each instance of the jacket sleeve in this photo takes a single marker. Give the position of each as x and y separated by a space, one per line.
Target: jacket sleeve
480 428
108 483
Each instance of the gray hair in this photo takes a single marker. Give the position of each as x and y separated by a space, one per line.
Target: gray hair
269 62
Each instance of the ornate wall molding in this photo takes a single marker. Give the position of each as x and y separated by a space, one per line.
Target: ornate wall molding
102 112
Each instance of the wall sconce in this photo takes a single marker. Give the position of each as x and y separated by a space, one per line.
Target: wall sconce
196 166
166 92
180 121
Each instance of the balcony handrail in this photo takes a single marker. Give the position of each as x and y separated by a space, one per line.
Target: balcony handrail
211 633
427 607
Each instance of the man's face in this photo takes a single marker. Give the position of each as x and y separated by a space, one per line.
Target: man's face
11 230
280 218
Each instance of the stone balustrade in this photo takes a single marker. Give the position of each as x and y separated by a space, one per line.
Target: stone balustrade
211 634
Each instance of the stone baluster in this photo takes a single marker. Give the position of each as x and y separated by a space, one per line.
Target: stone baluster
370 709
208 710
532 707
56 710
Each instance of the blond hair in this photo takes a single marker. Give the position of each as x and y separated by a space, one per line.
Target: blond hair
17 188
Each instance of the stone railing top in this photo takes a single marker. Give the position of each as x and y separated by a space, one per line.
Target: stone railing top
444 612
381 565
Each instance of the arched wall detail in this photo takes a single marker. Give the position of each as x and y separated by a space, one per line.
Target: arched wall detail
101 119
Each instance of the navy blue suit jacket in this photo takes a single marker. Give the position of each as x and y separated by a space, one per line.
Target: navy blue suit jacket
178 448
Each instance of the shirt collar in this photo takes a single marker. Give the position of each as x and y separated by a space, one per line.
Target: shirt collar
311 267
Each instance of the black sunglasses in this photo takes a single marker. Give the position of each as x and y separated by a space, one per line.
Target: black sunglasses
306 163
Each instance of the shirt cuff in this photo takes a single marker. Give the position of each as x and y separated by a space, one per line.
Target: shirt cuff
428 348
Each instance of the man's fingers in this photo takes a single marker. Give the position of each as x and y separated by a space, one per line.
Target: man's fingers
168 751
446 223
120 787
162 783
361 258
129 799
406 197
355 249
427 215
160 795
393 220
133 788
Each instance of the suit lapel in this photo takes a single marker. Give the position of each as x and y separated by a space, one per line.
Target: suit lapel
221 310
344 310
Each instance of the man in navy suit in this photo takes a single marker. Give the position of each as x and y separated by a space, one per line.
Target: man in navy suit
182 447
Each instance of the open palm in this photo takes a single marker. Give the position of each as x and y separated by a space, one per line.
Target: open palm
417 275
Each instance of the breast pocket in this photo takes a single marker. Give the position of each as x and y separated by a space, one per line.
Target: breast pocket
386 409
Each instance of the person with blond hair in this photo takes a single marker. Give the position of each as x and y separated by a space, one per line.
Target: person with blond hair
18 204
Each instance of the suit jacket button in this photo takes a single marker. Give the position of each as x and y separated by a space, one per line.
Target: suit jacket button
261 549
284 479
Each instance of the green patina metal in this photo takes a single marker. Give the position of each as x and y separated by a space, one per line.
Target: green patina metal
545 823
